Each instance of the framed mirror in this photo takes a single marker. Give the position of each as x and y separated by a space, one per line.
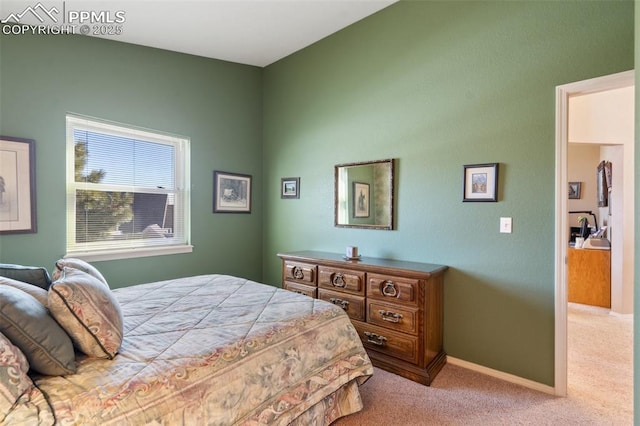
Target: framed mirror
364 194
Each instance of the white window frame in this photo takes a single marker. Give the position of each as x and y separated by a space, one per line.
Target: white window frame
124 249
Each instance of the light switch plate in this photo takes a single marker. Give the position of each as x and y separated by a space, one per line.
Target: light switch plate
505 225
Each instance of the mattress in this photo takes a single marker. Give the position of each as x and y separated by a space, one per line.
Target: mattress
213 350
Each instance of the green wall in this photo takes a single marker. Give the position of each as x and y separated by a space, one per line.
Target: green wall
438 85
217 104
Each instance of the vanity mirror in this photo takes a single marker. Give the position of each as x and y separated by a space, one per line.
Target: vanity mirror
364 195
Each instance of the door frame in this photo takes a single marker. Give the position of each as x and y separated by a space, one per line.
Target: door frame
563 93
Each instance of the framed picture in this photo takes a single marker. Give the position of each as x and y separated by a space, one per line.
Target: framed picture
603 183
17 186
290 187
480 182
361 199
231 192
575 190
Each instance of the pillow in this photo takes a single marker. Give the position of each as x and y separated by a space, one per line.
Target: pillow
77 264
39 293
27 323
14 381
27 274
88 311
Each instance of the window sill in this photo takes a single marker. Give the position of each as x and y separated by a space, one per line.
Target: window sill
97 256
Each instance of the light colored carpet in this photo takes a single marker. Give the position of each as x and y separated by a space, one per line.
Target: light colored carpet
600 386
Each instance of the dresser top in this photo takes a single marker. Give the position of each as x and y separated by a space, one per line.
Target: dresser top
365 262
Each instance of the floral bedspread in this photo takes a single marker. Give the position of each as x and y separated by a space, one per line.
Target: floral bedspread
218 350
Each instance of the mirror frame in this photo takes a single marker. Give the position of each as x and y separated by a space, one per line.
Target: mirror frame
390 226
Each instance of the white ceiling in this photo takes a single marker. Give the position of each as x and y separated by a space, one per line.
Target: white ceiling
253 32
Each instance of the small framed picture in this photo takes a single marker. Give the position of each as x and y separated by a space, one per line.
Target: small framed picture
601 184
290 187
231 192
17 186
575 190
361 199
480 182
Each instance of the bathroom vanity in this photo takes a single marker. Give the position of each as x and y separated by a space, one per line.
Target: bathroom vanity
589 279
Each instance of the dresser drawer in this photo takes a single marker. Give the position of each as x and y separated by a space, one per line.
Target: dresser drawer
354 306
388 342
390 288
307 290
299 272
396 317
342 280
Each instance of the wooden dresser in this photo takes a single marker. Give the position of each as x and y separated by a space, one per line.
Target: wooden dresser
396 307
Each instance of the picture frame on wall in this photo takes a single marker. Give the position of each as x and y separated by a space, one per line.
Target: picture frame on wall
575 190
290 187
361 199
17 186
480 182
601 185
231 192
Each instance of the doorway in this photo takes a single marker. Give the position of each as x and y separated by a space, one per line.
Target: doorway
563 95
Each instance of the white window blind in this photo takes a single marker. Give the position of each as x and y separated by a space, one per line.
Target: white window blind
127 191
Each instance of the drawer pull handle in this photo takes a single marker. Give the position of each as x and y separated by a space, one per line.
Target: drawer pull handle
344 304
298 291
390 316
375 339
338 281
297 273
389 289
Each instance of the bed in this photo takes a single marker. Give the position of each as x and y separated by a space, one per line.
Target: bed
209 349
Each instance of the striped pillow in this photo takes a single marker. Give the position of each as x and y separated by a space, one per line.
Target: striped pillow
71 262
88 312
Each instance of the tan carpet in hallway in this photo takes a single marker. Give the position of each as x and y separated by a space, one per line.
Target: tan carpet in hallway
600 387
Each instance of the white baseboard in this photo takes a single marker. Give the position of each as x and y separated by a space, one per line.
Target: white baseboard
501 375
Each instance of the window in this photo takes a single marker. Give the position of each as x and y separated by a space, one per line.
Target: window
127 191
